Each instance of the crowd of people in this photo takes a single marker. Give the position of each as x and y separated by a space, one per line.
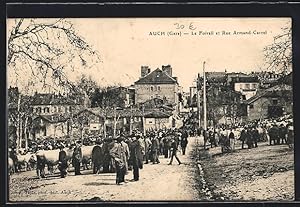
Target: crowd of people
126 153
130 153
276 131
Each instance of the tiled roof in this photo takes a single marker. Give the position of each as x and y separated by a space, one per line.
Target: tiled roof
51 99
53 118
109 113
283 88
157 114
156 77
249 79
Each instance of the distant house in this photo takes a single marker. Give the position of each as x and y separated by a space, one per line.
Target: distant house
270 103
267 78
50 126
157 84
50 104
91 121
248 86
155 120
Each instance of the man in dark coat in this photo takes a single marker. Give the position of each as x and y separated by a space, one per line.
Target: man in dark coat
249 139
77 157
63 162
212 139
243 137
184 141
136 158
274 134
255 136
282 134
174 147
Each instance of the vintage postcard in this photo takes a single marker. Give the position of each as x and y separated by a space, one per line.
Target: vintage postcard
150 109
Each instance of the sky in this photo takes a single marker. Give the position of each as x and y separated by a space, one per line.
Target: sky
125 44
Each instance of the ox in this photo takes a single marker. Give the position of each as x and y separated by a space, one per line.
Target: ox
27 161
50 158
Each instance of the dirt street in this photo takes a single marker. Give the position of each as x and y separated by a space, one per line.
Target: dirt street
263 173
157 182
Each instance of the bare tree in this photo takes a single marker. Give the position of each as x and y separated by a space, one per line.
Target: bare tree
278 55
46 48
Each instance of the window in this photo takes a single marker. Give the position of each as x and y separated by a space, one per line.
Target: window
244 97
151 88
275 101
251 106
158 88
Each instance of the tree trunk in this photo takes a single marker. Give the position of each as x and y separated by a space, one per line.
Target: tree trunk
21 133
25 133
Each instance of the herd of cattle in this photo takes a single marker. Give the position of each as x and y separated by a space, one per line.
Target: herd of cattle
30 161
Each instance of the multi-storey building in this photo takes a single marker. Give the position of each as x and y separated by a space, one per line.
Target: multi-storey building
157 84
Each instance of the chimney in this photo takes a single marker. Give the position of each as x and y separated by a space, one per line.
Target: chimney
167 69
145 70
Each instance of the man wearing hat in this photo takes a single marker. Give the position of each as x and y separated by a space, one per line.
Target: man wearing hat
63 162
136 157
118 153
155 149
77 157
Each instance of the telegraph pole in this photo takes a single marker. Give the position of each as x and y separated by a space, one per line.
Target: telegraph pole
198 101
204 99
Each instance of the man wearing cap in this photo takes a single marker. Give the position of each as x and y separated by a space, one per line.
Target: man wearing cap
77 157
63 161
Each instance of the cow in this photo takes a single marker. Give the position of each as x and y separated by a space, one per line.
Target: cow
86 156
49 158
27 161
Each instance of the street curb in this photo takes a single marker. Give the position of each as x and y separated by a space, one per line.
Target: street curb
204 190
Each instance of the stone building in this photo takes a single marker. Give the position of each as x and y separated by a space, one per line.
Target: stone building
248 86
49 104
270 103
157 84
155 120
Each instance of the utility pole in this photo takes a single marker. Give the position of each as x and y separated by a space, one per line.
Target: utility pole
143 120
130 122
204 107
204 99
198 101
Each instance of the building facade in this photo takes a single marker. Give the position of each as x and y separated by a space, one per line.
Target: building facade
247 86
271 103
157 84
